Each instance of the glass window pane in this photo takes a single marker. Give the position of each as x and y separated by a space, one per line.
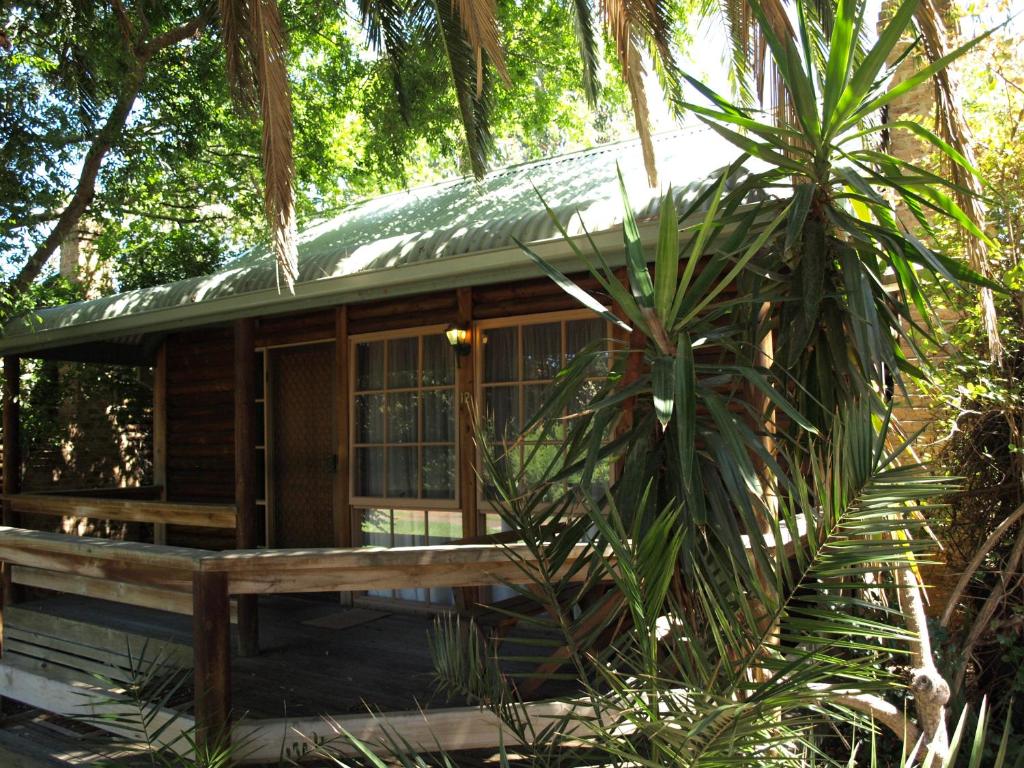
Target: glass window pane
403 473
445 525
376 527
586 392
534 398
403 360
369 418
542 350
580 333
501 354
438 417
438 472
501 408
438 361
410 527
369 472
370 365
403 417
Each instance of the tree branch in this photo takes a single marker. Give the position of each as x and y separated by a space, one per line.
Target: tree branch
930 689
105 139
174 36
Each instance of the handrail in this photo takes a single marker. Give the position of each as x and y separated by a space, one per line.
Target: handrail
267 571
124 510
148 492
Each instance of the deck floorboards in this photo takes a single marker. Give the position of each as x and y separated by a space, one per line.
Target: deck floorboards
381 662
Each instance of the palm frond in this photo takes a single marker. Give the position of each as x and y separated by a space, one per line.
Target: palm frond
590 54
446 26
254 40
480 23
385 24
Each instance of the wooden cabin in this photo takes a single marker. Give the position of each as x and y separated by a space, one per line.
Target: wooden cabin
314 443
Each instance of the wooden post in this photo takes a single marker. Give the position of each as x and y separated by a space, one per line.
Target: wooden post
160 435
12 433
11 466
211 649
245 474
344 533
464 390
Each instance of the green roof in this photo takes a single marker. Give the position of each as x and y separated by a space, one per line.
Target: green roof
445 235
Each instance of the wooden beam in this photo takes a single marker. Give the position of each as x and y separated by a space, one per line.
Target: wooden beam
340 570
85 700
449 729
129 510
343 534
129 561
160 435
246 527
211 648
159 598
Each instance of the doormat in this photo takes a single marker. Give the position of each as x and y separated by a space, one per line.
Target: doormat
350 617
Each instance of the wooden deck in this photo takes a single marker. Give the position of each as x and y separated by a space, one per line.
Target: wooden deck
316 656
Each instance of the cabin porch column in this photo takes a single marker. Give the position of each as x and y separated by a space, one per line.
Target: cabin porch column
211 648
160 435
245 477
12 463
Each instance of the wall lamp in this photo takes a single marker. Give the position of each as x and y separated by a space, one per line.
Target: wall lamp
459 337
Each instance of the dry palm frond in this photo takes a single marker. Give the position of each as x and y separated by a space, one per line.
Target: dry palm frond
255 43
949 116
480 23
234 25
625 28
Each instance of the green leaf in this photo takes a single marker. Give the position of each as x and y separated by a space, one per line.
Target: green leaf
572 289
803 194
841 51
686 410
636 263
666 261
663 387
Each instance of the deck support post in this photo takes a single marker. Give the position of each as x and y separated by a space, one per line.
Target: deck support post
160 435
12 433
211 648
344 524
245 476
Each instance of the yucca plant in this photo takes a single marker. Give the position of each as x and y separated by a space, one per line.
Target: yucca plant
757 523
849 271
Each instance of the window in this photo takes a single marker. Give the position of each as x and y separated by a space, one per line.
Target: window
409 528
518 363
403 420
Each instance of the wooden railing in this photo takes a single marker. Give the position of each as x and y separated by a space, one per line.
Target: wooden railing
201 582
123 510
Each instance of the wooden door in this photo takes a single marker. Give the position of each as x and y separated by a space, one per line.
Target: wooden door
302 448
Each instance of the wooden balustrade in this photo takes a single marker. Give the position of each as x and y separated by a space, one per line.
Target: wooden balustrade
123 510
202 582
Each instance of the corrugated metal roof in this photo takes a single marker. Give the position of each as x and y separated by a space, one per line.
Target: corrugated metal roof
384 239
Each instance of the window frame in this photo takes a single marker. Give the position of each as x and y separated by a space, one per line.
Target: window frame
417 504
480 327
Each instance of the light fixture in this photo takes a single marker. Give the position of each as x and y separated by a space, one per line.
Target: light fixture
458 336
